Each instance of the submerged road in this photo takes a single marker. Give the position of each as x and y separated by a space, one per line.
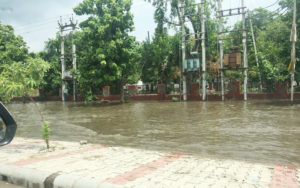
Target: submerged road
258 131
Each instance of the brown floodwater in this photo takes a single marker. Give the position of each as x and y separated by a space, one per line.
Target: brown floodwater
259 131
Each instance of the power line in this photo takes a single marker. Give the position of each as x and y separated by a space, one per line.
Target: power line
33 24
41 21
276 2
36 26
34 30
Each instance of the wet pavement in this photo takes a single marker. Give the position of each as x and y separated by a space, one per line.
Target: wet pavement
74 165
259 131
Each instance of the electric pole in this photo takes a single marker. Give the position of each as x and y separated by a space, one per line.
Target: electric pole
293 54
226 13
65 74
62 59
255 51
221 49
245 52
183 50
203 50
74 59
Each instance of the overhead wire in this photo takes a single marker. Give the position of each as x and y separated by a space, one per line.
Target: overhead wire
35 26
273 4
33 30
40 21
38 26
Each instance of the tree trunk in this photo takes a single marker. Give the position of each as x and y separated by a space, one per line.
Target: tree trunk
47 143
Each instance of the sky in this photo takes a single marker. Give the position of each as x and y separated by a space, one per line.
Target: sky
36 20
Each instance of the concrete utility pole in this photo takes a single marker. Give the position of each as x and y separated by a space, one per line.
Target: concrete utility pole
255 51
183 51
203 50
233 12
245 51
74 59
64 72
62 59
221 50
293 54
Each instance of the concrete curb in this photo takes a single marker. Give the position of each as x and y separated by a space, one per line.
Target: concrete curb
33 178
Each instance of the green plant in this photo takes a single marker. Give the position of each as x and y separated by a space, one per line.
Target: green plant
46 133
89 96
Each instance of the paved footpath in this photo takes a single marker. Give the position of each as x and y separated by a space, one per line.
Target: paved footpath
25 162
8 185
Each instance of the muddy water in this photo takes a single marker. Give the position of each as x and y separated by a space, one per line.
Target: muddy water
259 131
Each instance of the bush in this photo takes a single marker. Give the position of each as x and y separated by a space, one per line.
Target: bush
46 133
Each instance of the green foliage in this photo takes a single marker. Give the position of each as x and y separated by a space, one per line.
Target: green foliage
161 57
175 99
106 51
88 96
12 47
46 133
108 55
20 79
272 31
51 54
20 72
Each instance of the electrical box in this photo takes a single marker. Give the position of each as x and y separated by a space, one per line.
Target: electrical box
67 75
66 91
191 65
233 58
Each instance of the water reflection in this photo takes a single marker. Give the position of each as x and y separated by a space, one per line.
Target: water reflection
260 131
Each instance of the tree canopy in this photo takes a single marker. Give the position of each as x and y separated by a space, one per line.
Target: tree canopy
108 55
20 73
106 51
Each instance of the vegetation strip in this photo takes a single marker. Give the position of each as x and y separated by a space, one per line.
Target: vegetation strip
284 176
144 170
35 160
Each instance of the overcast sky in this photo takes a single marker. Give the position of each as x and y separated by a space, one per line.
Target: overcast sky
36 20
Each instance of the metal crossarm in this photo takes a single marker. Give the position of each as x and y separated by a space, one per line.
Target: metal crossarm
232 12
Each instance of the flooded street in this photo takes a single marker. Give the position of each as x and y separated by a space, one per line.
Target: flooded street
258 131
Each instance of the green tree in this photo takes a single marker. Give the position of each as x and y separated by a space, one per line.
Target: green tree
272 31
20 72
107 52
164 63
161 55
160 59
52 79
20 79
12 47
287 18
